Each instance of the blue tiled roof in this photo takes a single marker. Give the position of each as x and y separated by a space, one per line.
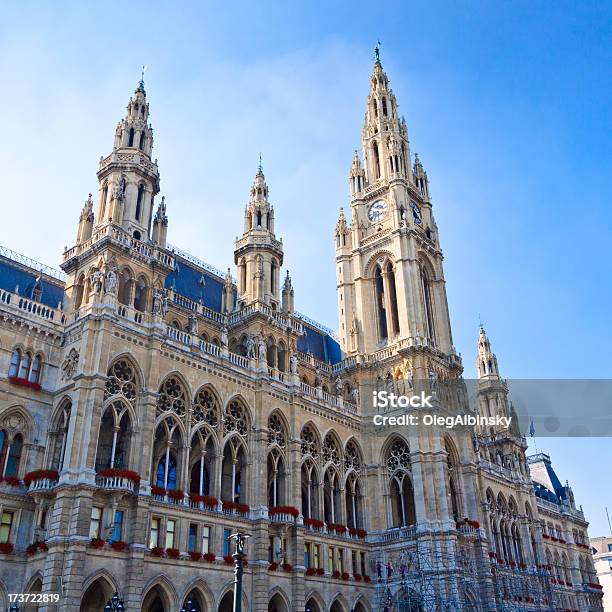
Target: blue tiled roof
13 275
196 284
320 345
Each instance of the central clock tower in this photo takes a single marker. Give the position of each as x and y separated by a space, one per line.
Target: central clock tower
390 281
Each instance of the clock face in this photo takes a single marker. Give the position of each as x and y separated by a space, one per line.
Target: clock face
377 211
416 212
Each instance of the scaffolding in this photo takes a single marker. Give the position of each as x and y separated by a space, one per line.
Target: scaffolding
443 574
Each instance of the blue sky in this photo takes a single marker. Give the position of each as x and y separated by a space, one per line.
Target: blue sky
508 105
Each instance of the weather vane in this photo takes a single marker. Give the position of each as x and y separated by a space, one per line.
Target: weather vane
377 52
144 68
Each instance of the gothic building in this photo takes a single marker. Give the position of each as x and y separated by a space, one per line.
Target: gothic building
151 406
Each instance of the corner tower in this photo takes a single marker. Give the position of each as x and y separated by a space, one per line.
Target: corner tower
129 179
390 280
258 254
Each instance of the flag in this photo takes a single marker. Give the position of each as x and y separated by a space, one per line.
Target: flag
531 430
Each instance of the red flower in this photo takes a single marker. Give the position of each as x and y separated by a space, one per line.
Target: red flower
358 577
43 546
119 545
155 490
195 555
362 533
157 551
311 571
173 552
273 566
320 571
336 574
229 559
6 548
287 567
367 579
231 505
120 473
40 475
24 382
345 576
31 550
312 522
176 494
207 500
13 481
97 543
210 557
292 510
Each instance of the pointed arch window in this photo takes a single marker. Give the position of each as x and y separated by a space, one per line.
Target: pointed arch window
166 472
24 367
15 363
276 479
232 471
426 291
384 106
354 501
141 144
34 376
114 438
331 497
310 490
14 455
202 457
380 304
140 295
375 160
3 449
60 437
139 201
131 138
79 291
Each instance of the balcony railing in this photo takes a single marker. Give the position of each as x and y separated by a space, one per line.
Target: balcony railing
115 483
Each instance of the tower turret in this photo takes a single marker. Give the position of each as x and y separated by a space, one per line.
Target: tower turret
86 221
160 224
288 295
486 362
129 180
258 254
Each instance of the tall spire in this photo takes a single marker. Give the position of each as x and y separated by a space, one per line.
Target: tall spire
486 362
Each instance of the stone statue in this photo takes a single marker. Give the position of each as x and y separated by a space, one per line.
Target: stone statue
355 395
97 279
338 384
193 324
224 336
159 302
250 347
293 363
110 281
120 189
317 378
262 349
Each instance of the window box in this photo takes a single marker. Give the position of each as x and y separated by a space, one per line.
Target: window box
229 560
340 529
274 566
195 555
320 571
155 490
210 557
174 553
292 510
367 579
230 505
157 551
97 543
6 548
344 576
12 481
31 477
24 382
176 494
287 567
314 523
32 549
207 500
311 571
120 473
119 545
336 574
358 577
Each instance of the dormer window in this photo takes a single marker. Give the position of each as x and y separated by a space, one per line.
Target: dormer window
37 292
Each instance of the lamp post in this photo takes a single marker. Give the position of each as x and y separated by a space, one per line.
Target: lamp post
238 556
114 603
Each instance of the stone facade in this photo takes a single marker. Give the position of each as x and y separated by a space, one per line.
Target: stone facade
158 406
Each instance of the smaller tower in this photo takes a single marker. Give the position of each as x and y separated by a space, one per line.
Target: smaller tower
86 221
288 295
258 254
356 176
160 224
420 178
228 292
486 363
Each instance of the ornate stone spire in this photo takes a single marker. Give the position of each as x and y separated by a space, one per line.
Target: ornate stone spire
86 220
486 363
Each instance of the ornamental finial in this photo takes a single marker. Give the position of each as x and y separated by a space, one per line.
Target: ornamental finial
377 52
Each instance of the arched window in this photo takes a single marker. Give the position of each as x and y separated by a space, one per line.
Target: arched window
114 438
34 376
60 437
375 160
37 292
380 304
390 275
103 197
131 138
232 471
453 477
384 106
310 490
15 363
273 269
3 447
139 200
172 397
281 357
140 295
167 453
331 497
403 511
125 287
276 478
24 368
354 500
14 455
141 144
121 381
426 291
79 291
201 461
